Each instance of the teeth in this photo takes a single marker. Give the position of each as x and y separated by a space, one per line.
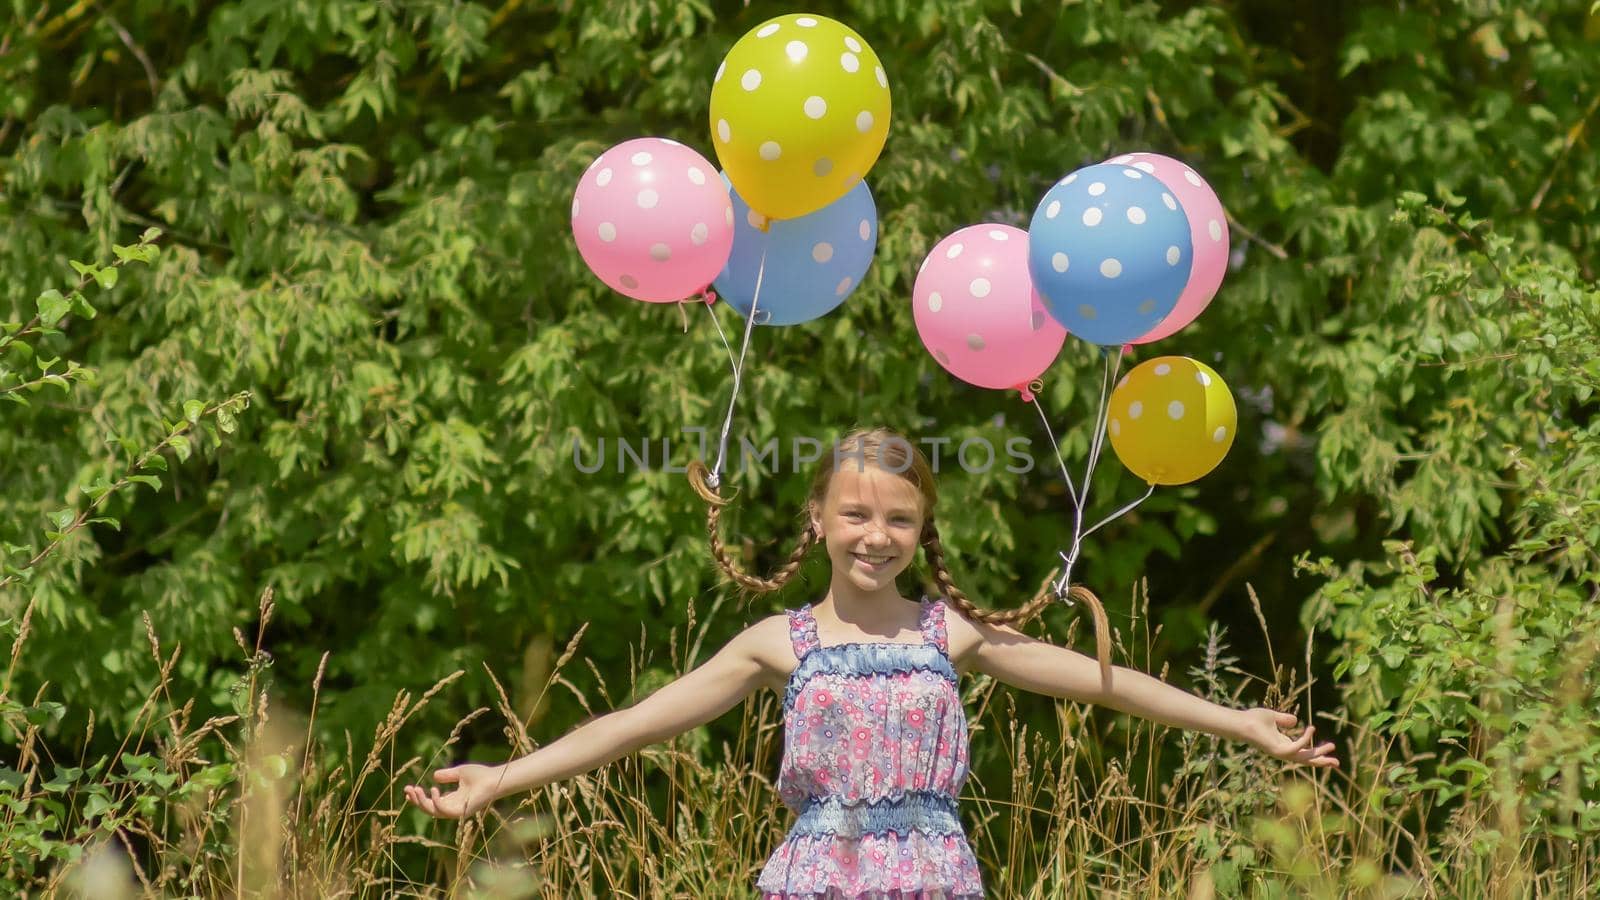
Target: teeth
875 560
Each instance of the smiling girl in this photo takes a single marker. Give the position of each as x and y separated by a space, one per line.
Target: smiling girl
875 738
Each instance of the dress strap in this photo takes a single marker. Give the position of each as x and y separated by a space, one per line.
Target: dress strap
933 631
803 631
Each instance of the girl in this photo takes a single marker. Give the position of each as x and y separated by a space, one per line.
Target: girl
875 739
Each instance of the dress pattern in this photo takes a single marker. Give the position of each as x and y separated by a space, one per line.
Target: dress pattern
874 756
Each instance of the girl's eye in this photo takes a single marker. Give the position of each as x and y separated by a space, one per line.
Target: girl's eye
854 515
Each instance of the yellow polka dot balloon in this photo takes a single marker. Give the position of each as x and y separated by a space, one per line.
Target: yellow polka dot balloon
1171 420
799 113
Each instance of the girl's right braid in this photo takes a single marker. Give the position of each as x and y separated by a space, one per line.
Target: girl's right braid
1044 597
714 503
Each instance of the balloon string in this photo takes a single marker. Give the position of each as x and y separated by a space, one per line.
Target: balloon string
1123 511
733 365
1096 444
714 478
1065 475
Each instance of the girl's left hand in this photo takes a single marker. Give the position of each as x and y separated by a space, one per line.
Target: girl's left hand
1260 727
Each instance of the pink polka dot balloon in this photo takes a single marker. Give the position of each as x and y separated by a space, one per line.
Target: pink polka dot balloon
977 312
653 220
1208 233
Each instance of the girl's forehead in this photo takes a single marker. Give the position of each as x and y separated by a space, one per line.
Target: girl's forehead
873 486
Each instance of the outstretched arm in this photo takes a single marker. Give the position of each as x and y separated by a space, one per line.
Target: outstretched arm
736 671
1025 662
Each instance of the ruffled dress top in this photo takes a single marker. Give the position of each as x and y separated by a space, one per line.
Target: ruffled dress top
874 757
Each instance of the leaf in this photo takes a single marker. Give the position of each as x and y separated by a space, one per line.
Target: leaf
52 306
180 446
98 489
81 305
153 481
107 277
44 713
62 518
192 410
1464 342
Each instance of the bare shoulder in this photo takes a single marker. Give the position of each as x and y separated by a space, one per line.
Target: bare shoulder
767 643
969 639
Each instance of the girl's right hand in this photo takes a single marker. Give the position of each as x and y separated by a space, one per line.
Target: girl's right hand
476 787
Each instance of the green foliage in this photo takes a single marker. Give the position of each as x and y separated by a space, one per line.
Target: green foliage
363 216
1492 667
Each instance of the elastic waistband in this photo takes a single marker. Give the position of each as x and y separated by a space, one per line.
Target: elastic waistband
929 812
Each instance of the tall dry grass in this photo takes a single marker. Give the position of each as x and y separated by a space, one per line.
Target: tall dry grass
254 805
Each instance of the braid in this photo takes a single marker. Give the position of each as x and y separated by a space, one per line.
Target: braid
941 576
714 504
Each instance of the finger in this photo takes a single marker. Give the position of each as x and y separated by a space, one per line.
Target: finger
1286 720
447 776
423 803
1304 740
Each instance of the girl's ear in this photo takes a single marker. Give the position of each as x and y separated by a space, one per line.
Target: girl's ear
815 513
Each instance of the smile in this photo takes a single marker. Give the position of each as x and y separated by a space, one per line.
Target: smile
872 560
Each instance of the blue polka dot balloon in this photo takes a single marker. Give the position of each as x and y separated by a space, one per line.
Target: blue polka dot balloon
812 263
1109 252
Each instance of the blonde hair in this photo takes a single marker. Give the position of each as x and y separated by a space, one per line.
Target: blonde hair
894 453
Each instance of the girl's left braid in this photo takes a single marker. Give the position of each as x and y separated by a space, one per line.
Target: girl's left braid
1045 596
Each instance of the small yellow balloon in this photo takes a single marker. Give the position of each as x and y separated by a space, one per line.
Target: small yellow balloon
1171 420
799 113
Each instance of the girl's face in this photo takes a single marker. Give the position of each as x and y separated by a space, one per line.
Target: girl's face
871 522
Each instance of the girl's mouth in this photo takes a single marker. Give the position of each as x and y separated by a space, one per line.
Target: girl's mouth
873 561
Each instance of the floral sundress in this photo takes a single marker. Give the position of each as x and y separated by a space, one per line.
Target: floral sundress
874 756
